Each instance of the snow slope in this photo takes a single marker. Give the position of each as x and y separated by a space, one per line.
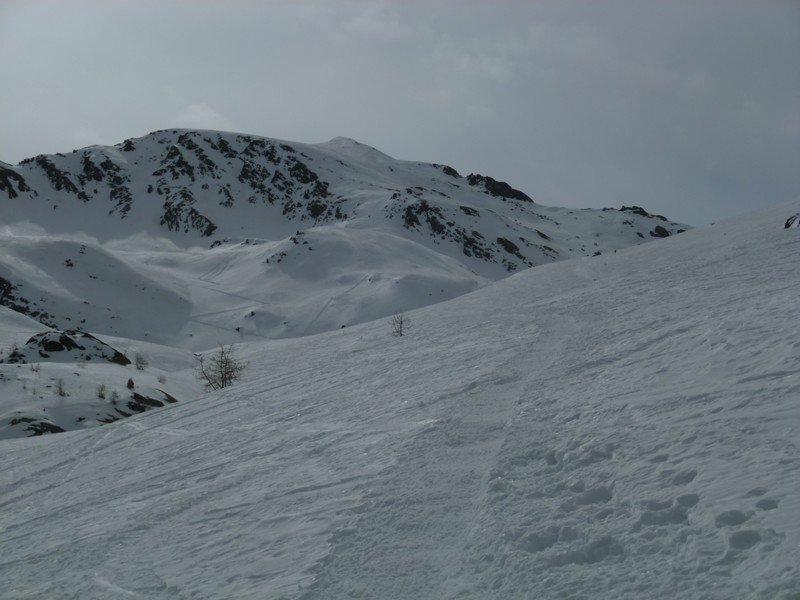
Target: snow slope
622 426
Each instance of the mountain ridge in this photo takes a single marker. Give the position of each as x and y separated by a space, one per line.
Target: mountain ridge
190 173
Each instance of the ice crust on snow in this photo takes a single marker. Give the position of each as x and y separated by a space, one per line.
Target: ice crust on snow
623 426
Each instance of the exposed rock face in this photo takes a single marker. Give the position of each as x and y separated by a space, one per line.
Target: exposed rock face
140 403
638 210
188 165
11 298
36 426
792 222
660 232
497 188
12 182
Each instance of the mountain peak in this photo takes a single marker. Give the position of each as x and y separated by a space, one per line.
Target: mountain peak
355 149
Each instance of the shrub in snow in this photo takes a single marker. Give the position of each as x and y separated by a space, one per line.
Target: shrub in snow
140 361
219 370
400 324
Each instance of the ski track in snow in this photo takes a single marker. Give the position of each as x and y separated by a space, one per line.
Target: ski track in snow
543 486
448 466
618 427
332 299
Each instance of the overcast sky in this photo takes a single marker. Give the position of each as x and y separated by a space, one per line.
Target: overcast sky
690 109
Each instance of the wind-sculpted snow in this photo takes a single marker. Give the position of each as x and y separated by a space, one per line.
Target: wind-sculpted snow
623 426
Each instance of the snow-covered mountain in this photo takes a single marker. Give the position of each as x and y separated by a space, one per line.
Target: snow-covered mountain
195 237
614 427
191 239
215 185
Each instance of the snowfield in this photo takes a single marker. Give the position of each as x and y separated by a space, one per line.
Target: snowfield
619 426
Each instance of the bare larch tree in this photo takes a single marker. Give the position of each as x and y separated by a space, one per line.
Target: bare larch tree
220 369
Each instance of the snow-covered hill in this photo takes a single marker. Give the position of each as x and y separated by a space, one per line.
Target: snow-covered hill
616 427
54 381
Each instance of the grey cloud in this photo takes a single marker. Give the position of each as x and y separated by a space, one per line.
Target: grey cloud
687 108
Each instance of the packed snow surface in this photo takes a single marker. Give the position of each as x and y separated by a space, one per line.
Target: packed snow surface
624 426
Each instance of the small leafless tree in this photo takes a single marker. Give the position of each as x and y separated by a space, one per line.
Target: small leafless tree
101 391
140 361
114 396
162 379
220 369
60 390
400 324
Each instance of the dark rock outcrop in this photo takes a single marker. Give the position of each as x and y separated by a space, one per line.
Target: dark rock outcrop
659 232
8 179
497 188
